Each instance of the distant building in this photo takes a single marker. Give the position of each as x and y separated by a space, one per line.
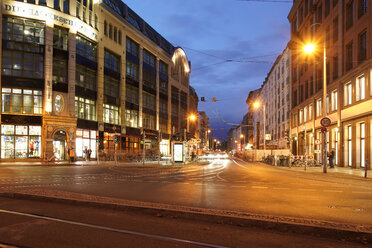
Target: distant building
252 97
203 128
193 110
275 97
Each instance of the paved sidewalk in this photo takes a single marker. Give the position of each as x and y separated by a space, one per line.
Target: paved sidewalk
334 171
77 163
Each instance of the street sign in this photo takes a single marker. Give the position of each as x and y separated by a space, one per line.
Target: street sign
324 130
317 142
325 122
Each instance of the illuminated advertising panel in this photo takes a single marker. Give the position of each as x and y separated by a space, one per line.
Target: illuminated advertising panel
178 152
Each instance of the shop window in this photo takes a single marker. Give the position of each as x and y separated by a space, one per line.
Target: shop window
85 109
85 140
111 114
20 142
21 101
349 145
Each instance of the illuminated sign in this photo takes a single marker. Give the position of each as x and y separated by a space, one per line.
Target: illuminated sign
178 152
46 14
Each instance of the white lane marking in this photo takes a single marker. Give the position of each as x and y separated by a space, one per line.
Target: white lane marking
310 190
332 191
239 164
259 187
218 174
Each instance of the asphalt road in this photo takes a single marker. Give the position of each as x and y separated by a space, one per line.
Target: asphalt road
26 223
224 185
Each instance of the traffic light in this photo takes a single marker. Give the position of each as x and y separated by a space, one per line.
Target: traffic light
214 99
202 99
116 140
98 139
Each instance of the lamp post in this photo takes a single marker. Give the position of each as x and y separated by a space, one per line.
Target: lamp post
257 105
242 141
309 49
209 143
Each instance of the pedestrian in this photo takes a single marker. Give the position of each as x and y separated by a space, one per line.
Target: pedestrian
331 156
89 153
72 154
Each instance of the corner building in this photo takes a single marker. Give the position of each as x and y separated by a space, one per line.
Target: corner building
84 74
343 28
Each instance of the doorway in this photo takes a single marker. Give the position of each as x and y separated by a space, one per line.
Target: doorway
59 145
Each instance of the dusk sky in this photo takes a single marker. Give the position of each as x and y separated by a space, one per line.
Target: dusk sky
231 44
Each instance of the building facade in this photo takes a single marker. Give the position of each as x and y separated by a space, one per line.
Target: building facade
275 97
86 74
203 130
340 31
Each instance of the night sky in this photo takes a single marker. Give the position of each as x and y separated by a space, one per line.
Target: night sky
231 44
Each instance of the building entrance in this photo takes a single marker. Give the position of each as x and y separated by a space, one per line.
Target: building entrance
59 145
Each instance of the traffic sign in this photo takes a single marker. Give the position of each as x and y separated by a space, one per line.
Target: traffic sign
317 142
324 130
325 122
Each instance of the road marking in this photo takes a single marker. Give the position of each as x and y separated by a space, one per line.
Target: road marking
333 191
259 187
111 229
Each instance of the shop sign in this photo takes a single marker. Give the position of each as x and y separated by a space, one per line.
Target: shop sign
43 13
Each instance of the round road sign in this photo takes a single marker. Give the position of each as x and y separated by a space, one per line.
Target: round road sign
324 130
317 142
325 122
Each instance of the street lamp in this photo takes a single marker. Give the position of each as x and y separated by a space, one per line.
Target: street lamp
241 139
256 105
309 49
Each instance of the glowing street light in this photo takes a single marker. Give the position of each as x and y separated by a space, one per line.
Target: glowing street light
309 49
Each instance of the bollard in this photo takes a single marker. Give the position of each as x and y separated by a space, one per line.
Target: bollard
366 169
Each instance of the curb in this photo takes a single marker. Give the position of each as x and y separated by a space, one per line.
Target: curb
325 229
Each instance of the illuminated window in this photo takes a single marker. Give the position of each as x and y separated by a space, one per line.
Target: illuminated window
111 114
362 145
60 38
349 146
305 114
310 112
348 94
85 109
131 118
86 48
318 107
22 64
360 88
22 101
334 100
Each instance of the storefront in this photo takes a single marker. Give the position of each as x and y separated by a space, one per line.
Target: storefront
85 140
20 142
164 147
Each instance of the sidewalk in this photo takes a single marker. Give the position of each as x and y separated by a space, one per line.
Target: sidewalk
335 171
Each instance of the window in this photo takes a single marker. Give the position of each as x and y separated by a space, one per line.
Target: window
349 14
22 64
112 61
305 114
334 100
115 34
20 141
96 21
56 5
43 2
85 109
84 14
23 30
163 68
86 48
66 6
148 121
132 94
148 101
319 16
349 146
132 70
86 77
327 7
348 94
360 88
105 28
110 31
21 101
335 67
60 38
362 7
163 107
90 17
119 37
111 86
335 29
132 47
77 9
362 145
111 114
59 71
148 58
310 112
349 56
362 47
301 116
319 107
131 118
